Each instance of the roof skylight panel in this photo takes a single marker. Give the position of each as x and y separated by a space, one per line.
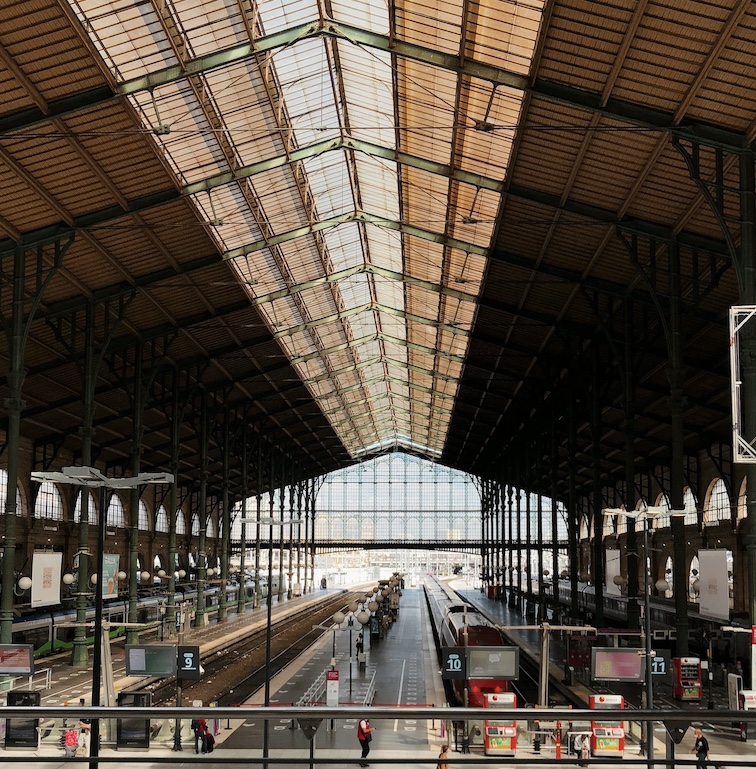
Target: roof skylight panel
507 33
389 292
371 15
385 247
355 290
278 15
128 36
378 185
330 184
210 25
363 324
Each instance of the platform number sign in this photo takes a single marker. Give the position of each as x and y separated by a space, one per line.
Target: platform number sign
661 665
188 663
453 663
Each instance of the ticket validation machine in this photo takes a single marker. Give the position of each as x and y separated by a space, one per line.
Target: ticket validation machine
500 732
746 701
686 681
607 737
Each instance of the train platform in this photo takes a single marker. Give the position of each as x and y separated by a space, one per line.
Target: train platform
725 742
400 670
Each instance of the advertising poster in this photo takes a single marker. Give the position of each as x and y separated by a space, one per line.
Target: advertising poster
46 578
713 585
110 575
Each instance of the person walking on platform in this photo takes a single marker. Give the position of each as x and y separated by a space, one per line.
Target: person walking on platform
360 645
701 749
364 735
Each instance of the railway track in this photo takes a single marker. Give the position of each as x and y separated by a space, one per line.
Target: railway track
236 671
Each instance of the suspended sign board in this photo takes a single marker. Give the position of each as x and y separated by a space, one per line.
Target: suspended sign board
17 659
488 662
612 664
153 660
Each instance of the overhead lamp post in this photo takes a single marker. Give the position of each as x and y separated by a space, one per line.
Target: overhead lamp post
91 477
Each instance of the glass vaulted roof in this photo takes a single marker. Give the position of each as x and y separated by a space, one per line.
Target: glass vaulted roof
350 163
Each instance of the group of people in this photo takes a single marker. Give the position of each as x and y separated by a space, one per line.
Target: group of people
204 741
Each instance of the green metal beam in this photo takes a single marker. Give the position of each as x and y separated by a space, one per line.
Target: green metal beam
344 144
646 229
619 110
355 216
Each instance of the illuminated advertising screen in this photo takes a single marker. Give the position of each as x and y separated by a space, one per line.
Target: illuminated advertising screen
610 664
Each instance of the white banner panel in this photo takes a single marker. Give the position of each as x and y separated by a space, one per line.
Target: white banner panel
46 575
713 586
612 570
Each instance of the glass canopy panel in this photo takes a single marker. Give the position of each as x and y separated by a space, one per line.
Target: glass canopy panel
376 310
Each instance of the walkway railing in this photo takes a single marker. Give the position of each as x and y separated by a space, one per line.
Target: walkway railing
421 748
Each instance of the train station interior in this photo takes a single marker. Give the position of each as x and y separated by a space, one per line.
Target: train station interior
309 293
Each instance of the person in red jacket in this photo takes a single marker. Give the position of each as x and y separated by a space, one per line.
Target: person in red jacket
364 735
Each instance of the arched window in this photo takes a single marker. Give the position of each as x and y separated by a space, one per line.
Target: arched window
195 525
91 509
48 503
689 505
717 506
4 494
609 526
583 529
115 516
694 584
210 531
742 509
180 522
662 521
161 520
144 517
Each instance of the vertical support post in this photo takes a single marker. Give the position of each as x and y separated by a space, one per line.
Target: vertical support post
269 618
226 515
676 376
200 614
94 739
572 512
170 614
132 634
748 356
647 633
258 515
597 565
241 603
633 613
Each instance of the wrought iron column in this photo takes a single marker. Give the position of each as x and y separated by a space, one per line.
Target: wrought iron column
597 566
225 512
200 614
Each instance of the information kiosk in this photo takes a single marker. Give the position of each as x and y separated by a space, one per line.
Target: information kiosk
746 701
607 737
686 682
500 732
